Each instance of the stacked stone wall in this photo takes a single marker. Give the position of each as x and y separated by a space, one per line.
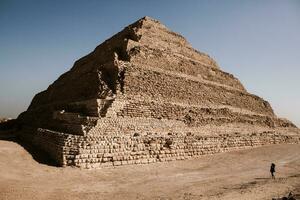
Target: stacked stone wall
165 60
169 40
163 87
115 150
191 115
52 144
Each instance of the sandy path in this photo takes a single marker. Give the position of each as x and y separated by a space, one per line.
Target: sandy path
242 174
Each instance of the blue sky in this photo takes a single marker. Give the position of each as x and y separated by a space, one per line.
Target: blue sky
258 41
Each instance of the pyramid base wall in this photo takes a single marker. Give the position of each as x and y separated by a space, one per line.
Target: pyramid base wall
107 151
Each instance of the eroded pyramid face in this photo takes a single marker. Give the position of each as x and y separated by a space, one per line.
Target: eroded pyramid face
145 81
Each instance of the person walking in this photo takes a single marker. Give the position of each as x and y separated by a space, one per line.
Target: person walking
272 170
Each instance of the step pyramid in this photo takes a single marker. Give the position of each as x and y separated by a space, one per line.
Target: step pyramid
145 95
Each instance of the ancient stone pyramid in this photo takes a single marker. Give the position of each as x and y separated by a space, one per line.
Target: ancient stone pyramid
145 95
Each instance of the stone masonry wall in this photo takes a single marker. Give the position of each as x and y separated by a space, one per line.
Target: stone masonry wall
191 115
164 87
165 60
115 150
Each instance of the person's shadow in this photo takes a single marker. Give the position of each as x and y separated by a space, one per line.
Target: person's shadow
260 178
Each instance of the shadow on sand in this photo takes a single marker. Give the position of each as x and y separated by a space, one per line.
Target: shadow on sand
262 178
37 154
8 132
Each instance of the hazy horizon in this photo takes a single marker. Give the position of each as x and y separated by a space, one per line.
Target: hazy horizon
256 41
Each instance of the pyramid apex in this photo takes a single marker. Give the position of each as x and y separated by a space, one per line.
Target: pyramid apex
147 18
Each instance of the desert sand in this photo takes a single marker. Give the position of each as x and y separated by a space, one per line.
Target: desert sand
242 174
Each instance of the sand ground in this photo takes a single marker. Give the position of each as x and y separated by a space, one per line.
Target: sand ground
242 174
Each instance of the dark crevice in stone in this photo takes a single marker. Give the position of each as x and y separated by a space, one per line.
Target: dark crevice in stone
122 54
105 107
121 78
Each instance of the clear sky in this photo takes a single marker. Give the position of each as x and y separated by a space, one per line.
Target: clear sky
258 41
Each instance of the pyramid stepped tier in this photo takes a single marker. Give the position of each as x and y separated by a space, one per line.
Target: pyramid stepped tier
145 95
169 87
115 150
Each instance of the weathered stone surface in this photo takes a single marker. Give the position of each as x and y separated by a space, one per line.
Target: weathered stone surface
145 95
